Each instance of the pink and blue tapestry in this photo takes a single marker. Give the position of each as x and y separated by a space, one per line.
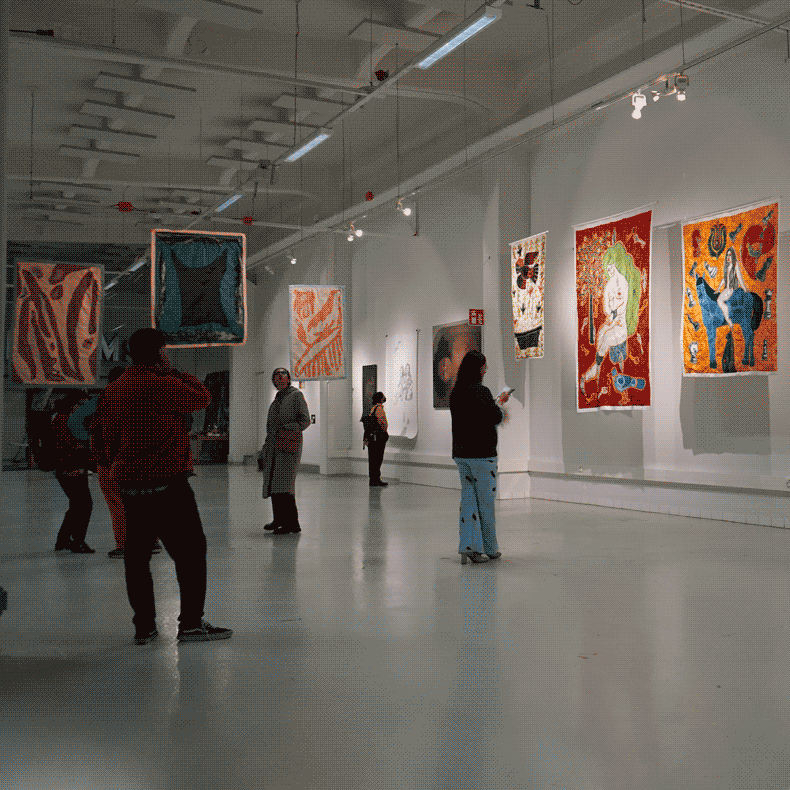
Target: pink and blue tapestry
199 288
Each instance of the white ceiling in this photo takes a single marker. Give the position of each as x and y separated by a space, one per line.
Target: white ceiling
172 105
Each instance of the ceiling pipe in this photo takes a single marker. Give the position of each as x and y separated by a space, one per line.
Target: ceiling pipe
720 12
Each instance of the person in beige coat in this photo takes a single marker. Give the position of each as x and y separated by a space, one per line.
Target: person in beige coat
282 451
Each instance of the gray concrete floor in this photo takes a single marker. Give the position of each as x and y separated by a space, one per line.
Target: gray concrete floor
607 649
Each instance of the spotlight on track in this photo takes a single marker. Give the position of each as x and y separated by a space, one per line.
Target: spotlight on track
638 100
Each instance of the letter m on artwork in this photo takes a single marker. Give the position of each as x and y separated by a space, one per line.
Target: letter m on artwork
110 352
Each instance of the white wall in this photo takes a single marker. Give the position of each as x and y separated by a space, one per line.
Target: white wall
710 448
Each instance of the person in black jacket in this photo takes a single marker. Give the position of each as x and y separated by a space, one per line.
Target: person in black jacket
71 471
475 415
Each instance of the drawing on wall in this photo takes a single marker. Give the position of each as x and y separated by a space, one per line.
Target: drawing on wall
401 385
57 323
369 386
613 312
527 268
199 287
450 344
317 332
729 295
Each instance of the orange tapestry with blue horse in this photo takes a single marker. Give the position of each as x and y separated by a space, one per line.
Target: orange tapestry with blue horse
729 314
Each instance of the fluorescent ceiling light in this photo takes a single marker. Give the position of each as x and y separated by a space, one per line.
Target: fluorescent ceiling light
138 264
110 284
312 142
228 202
458 35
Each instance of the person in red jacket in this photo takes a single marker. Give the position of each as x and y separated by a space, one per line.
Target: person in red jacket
141 435
71 471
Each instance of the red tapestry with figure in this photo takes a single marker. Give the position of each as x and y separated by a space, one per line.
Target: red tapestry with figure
56 323
613 309
317 332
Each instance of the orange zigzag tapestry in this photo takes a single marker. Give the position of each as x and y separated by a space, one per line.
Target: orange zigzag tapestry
317 332
56 323
729 293
613 309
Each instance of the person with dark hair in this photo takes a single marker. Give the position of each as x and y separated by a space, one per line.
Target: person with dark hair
140 434
72 462
281 453
475 415
377 441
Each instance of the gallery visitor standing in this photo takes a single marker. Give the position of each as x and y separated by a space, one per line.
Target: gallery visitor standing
281 453
376 440
475 415
72 462
140 431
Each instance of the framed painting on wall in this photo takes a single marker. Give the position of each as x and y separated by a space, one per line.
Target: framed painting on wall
527 271
451 342
57 322
369 385
613 312
401 386
730 290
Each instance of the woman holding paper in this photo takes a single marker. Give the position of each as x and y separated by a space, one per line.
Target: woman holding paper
475 415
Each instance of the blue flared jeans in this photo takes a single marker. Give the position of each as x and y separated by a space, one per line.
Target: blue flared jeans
477 522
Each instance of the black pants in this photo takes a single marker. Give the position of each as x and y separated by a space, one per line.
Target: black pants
376 457
78 516
172 516
284 510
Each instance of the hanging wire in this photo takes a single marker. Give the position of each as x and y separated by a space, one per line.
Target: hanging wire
343 166
301 199
466 109
682 36
397 120
296 63
113 22
644 22
371 43
32 111
550 32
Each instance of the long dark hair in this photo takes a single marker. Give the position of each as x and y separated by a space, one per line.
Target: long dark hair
470 371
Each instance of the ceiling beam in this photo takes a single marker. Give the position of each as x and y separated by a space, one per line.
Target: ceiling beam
260 150
109 135
405 37
106 110
98 153
159 90
118 55
230 14
720 12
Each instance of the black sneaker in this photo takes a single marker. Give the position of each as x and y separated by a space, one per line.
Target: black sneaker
287 530
270 526
204 633
81 548
157 547
145 636
115 553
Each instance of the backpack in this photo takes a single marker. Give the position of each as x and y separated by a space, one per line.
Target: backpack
45 445
371 427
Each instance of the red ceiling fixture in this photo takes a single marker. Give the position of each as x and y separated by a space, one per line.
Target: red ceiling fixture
381 75
368 196
194 212
124 205
248 220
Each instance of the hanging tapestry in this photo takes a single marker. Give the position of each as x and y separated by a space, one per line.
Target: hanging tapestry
56 324
527 268
729 292
401 387
613 312
450 345
317 332
199 287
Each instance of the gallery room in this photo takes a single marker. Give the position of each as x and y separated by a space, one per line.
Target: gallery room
463 327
